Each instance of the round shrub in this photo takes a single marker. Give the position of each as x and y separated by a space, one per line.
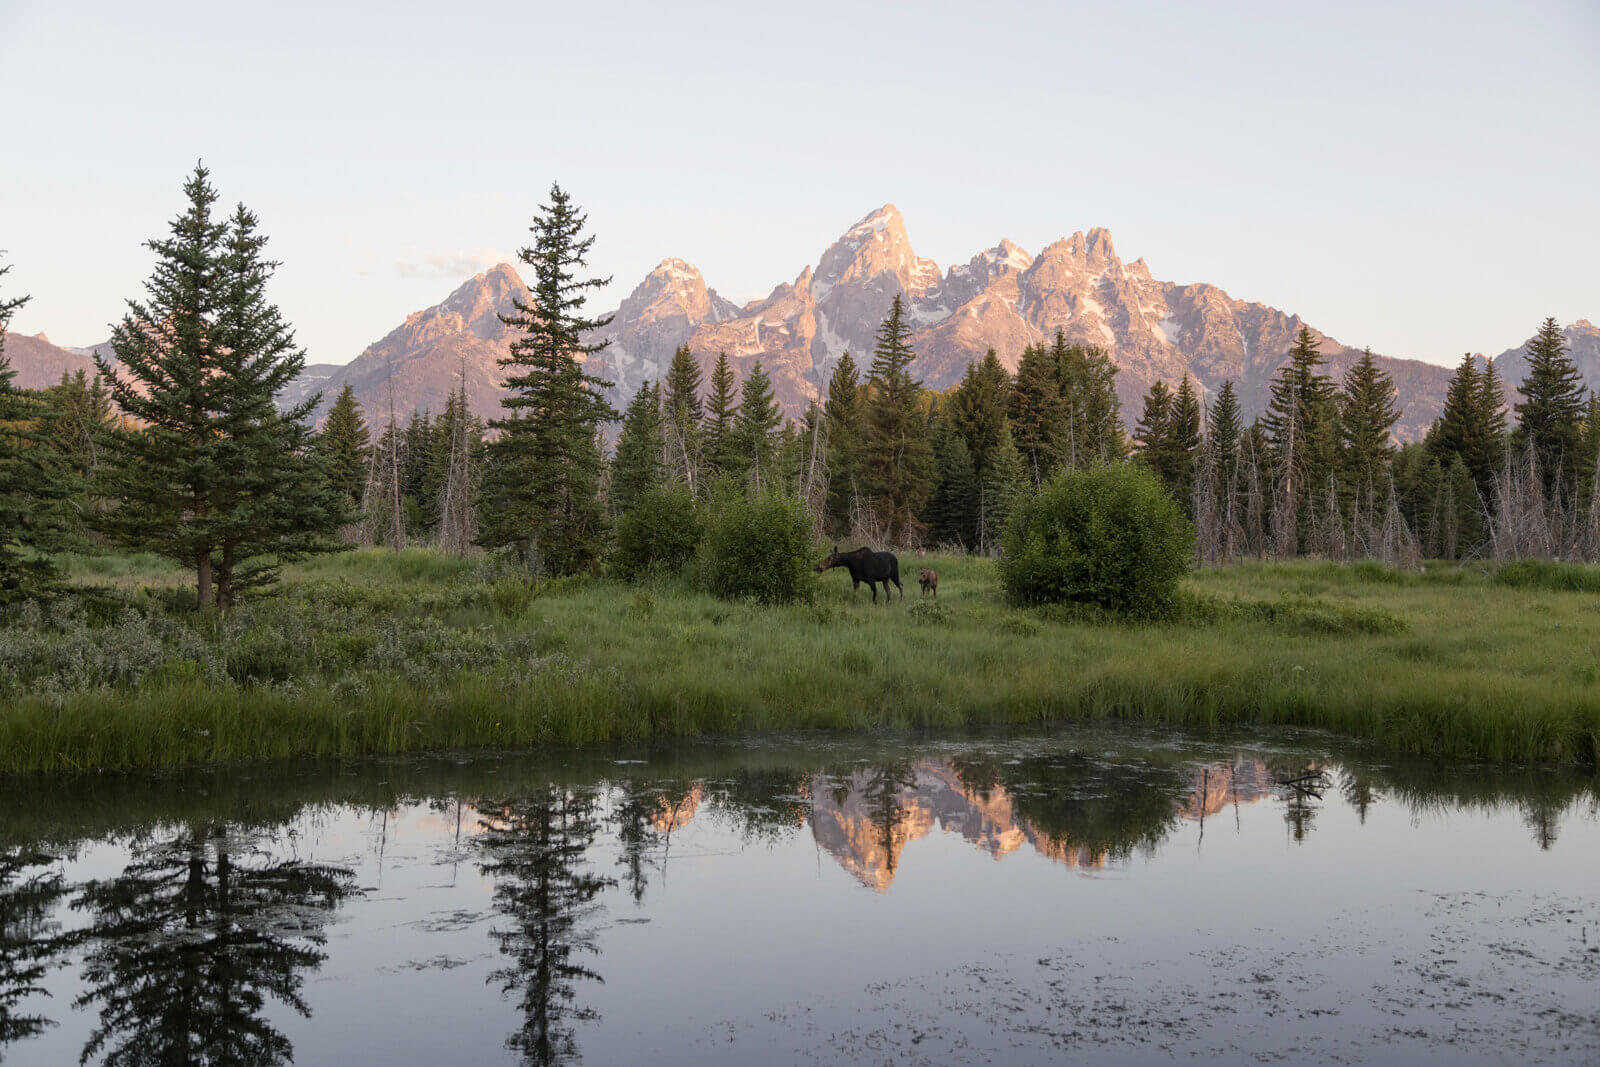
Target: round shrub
1109 536
759 548
658 534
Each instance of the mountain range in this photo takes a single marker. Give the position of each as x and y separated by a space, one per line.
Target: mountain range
1002 298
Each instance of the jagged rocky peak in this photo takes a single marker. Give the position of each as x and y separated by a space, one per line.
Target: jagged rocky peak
676 286
874 246
476 305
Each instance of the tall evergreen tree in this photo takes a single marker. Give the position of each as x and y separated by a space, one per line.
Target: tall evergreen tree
1551 412
1302 423
1367 417
1154 429
1038 413
541 489
274 503
638 465
721 411
897 467
345 443
1492 405
1226 431
213 477
76 424
952 510
977 408
842 416
1003 480
35 486
1455 432
163 471
681 398
755 429
1186 431
1092 431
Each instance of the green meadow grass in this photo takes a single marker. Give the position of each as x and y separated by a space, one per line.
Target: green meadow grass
376 652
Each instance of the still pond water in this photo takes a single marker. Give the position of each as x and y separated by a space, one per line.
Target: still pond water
1092 895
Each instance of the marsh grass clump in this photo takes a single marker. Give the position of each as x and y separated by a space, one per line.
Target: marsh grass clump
1111 536
1550 575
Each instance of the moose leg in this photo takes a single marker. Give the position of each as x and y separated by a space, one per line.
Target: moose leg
872 585
897 585
855 585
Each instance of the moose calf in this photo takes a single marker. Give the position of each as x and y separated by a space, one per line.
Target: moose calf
929 580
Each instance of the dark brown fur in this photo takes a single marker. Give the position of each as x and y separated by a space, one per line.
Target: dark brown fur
867 566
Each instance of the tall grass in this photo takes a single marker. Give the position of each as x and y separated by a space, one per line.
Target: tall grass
379 652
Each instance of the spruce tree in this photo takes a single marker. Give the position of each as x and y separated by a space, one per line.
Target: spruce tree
681 398
897 465
1551 411
721 411
1368 415
1185 433
842 416
977 408
1226 431
1004 479
1154 430
1492 417
951 512
1038 413
1091 430
213 476
273 501
77 422
35 485
755 428
345 442
1302 423
540 492
162 472
1456 430
638 464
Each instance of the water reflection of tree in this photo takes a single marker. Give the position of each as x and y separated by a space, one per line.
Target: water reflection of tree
885 782
192 939
30 941
1103 810
535 848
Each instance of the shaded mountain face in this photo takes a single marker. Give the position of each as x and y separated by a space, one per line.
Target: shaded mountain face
1002 298
39 364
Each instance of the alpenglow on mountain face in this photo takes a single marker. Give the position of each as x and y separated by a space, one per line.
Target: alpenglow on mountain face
1002 298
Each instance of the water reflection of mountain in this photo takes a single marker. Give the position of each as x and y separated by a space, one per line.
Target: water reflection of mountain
1075 812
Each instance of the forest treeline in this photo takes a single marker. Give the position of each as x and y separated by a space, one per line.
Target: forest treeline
178 447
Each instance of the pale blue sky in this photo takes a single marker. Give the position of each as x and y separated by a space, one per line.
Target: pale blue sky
1418 177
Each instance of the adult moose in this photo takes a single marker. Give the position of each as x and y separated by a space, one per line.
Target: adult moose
867 566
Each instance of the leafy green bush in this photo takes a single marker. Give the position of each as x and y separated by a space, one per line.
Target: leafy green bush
758 547
1109 536
658 534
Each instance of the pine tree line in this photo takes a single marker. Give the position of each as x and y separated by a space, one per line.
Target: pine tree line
178 447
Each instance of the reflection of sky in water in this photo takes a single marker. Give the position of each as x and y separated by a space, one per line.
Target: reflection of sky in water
920 919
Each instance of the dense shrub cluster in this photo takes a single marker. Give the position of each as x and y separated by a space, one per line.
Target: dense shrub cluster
1108 536
758 547
658 535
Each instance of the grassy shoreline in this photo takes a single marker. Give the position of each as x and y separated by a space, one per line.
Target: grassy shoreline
371 653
